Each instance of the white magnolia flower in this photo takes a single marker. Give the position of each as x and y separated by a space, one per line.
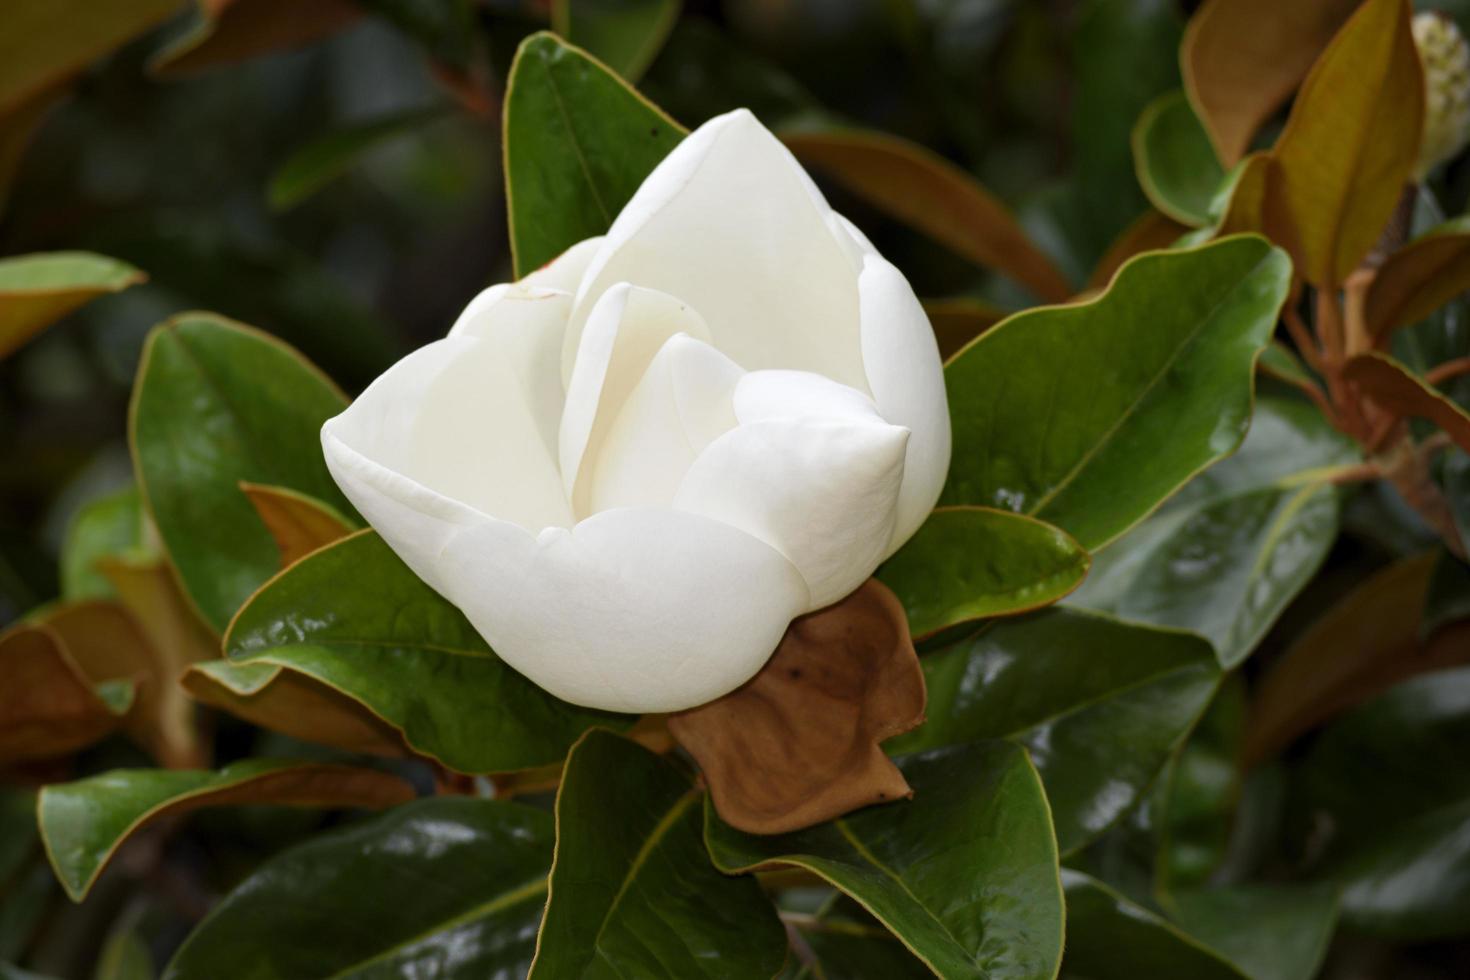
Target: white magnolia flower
634 467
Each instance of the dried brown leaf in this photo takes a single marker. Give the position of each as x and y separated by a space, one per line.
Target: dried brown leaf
298 524
799 743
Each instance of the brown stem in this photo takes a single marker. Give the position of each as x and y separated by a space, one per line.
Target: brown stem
1302 337
1441 373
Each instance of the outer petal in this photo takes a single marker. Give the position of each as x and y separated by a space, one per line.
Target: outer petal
471 418
566 270
730 223
906 378
812 470
684 402
627 328
632 610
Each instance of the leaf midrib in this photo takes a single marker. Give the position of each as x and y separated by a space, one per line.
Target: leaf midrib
1187 343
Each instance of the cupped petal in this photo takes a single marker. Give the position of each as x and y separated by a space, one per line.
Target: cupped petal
812 470
627 328
730 223
684 401
468 418
633 610
906 377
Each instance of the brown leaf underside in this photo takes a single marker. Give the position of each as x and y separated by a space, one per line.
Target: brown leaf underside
798 743
48 707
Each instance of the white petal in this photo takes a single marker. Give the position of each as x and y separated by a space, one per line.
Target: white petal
627 327
468 418
566 270
631 610
822 489
906 377
730 223
684 401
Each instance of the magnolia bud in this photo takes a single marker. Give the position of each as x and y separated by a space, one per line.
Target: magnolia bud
1446 59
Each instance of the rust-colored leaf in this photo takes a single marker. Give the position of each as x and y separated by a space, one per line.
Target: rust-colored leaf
37 290
1419 278
107 643
48 705
1152 230
1351 142
1397 391
232 31
176 636
298 524
798 743
1242 59
922 189
958 321
283 700
1364 645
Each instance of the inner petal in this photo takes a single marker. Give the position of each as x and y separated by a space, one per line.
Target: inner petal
683 402
626 330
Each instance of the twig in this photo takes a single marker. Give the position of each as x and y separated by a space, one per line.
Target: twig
1302 337
1441 373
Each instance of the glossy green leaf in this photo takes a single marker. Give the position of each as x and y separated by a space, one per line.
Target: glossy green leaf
1101 705
1192 806
578 143
256 410
1176 164
37 290
324 159
1226 555
1271 932
967 563
1111 938
109 525
1281 362
1089 416
964 874
625 34
397 647
1388 786
83 823
17 830
45 41
632 890
449 887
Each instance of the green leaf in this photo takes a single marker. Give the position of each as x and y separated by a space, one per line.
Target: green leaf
1089 416
1226 555
578 143
449 887
83 823
46 41
37 290
1101 704
1176 164
968 563
1192 807
109 525
1111 938
964 874
324 159
255 410
632 892
17 830
850 944
1387 785
625 34
1271 932
397 647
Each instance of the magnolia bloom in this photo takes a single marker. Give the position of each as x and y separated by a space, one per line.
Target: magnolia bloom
633 468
